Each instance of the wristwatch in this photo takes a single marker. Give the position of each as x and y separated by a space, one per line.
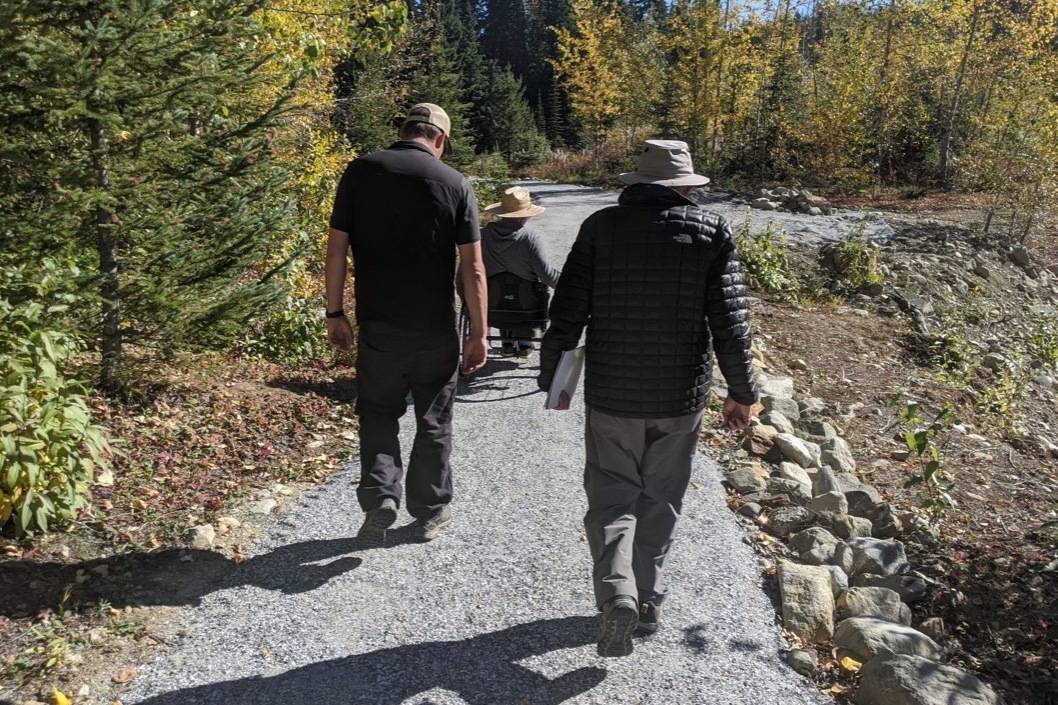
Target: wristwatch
340 313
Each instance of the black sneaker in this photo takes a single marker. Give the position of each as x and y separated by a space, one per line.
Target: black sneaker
373 530
649 616
619 617
430 528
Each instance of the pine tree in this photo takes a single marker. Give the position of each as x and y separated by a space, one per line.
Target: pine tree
137 141
505 38
511 125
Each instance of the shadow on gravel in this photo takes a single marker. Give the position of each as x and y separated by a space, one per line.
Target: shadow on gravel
488 385
482 670
175 577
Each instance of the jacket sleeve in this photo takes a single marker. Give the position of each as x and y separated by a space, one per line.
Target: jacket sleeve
728 312
571 305
539 264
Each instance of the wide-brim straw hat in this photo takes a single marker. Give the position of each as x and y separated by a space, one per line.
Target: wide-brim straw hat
667 163
515 203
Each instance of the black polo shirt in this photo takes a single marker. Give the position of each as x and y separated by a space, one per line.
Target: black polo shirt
405 212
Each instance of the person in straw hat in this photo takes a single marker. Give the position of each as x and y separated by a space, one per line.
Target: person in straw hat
656 282
404 214
510 245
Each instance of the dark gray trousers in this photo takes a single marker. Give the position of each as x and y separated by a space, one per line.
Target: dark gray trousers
389 365
636 474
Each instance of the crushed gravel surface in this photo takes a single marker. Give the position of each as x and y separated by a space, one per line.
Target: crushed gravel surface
498 611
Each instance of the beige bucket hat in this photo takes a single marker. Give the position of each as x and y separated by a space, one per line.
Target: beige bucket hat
515 203
665 162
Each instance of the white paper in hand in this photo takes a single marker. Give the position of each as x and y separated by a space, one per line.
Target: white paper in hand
567 377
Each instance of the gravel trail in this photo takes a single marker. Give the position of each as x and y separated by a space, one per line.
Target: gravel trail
498 611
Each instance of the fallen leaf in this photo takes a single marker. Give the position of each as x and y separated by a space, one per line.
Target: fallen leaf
105 478
125 675
59 698
850 664
837 689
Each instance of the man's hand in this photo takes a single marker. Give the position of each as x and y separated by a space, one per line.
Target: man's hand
340 333
475 354
736 416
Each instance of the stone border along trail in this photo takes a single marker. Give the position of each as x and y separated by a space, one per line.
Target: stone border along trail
498 611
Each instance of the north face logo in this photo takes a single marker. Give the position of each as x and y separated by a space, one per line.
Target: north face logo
683 239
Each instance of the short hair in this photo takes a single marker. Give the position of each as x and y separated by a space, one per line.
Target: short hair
413 129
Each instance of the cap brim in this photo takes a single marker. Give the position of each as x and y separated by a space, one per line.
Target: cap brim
494 210
633 177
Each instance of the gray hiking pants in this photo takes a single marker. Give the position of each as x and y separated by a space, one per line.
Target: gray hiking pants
635 477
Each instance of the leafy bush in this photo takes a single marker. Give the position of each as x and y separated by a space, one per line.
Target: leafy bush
764 259
293 332
855 261
1043 341
925 443
49 448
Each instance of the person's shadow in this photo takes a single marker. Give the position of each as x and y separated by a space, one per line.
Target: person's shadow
483 670
176 576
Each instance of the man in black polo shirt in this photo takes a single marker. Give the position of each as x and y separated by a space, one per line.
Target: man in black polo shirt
404 214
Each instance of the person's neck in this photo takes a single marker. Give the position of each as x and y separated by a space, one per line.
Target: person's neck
426 144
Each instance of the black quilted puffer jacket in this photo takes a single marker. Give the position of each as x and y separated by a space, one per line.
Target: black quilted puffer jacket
654 279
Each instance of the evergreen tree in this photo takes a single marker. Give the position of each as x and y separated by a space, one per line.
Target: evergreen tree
505 39
511 125
136 140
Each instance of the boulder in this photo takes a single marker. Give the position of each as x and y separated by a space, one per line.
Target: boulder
910 588
878 556
807 601
764 204
264 506
843 558
793 448
839 582
793 471
797 492
786 520
821 428
837 454
912 680
745 480
815 546
804 661
811 406
760 441
782 405
825 481
934 628
843 526
828 502
777 421
777 386
863 638
878 602
750 510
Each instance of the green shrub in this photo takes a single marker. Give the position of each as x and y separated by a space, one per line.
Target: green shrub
49 448
764 259
1043 341
855 262
293 332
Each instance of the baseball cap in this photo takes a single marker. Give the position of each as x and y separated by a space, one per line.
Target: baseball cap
432 115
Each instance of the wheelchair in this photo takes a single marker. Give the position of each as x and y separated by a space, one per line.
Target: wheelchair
515 304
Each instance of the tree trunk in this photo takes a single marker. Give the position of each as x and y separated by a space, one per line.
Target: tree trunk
110 283
960 78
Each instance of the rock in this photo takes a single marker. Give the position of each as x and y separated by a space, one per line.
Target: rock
839 582
799 365
878 556
821 428
777 421
878 602
981 270
226 524
750 510
1020 256
843 558
911 588
900 455
782 405
803 661
793 471
825 481
202 537
807 601
767 499
994 361
786 520
1044 380
776 387
815 210
812 405
912 680
831 502
934 628
764 204
793 448
263 507
796 491
745 480
814 546
837 454
863 638
760 441
865 501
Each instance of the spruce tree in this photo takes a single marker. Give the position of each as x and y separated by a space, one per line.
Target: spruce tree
510 123
505 38
136 141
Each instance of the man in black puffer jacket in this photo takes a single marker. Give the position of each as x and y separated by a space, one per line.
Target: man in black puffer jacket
655 280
